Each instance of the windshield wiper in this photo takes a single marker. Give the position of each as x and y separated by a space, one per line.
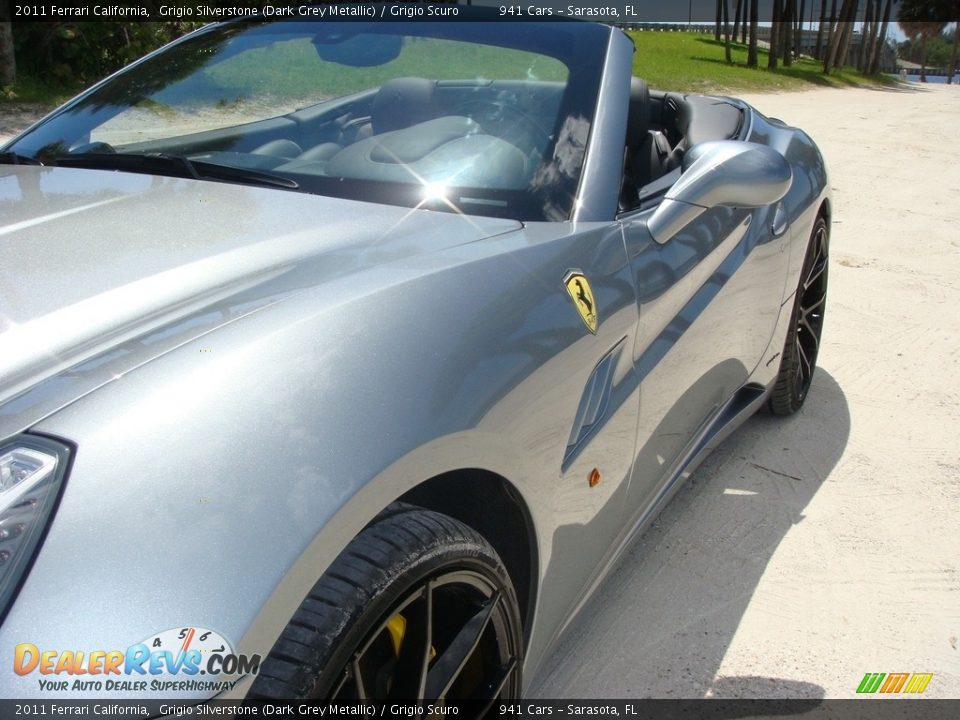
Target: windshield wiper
215 171
13 158
176 166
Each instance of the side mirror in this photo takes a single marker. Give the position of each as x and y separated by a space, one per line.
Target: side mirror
725 173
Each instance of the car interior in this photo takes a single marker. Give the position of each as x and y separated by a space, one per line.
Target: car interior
486 133
661 127
490 133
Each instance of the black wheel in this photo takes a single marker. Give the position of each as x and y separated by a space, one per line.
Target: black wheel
806 326
418 607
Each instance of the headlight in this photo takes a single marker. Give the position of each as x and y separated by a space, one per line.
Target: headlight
31 473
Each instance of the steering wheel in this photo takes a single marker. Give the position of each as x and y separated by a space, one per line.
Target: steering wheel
507 123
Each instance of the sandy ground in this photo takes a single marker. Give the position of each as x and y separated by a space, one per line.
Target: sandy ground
18 117
807 552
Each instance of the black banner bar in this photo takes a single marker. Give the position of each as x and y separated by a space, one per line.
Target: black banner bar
675 14
867 708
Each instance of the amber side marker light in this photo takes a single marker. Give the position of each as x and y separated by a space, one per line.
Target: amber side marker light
594 479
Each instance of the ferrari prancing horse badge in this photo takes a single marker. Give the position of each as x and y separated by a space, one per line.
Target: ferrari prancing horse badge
582 295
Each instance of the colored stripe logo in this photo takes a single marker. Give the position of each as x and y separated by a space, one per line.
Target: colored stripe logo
914 683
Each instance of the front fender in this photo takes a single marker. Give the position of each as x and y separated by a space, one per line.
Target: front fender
213 486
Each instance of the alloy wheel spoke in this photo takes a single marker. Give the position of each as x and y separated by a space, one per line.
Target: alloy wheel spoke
341 684
816 272
496 685
820 243
358 679
806 371
410 678
811 335
811 306
448 666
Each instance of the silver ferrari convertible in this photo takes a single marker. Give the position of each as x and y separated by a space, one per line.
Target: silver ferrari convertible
343 360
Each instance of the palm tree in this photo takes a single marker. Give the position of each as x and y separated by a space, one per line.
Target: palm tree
840 32
881 41
752 50
847 36
830 25
870 43
775 32
798 29
866 33
737 16
726 31
953 55
818 50
921 18
786 30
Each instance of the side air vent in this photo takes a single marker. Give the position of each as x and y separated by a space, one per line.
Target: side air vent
593 403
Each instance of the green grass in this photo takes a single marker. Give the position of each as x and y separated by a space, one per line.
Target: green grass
696 62
431 58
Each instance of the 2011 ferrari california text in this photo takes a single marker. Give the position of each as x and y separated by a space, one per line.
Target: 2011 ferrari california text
344 359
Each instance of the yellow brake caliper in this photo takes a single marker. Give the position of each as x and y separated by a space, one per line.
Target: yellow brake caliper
397 627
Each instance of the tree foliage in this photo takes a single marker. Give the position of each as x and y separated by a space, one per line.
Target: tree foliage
924 19
939 49
82 52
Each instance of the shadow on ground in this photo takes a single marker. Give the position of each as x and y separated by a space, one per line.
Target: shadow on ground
662 622
898 87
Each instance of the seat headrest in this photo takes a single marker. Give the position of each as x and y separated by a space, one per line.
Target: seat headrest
638 115
400 103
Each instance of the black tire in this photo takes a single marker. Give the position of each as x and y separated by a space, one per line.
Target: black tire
802 345
459 636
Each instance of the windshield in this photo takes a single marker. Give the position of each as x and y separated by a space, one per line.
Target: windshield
480 118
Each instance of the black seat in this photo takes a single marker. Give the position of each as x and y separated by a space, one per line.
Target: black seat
400 103
647 150
284 149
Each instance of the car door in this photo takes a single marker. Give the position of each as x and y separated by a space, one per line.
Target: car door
585 396
708 300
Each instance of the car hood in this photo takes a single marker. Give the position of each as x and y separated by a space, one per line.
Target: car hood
90 259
